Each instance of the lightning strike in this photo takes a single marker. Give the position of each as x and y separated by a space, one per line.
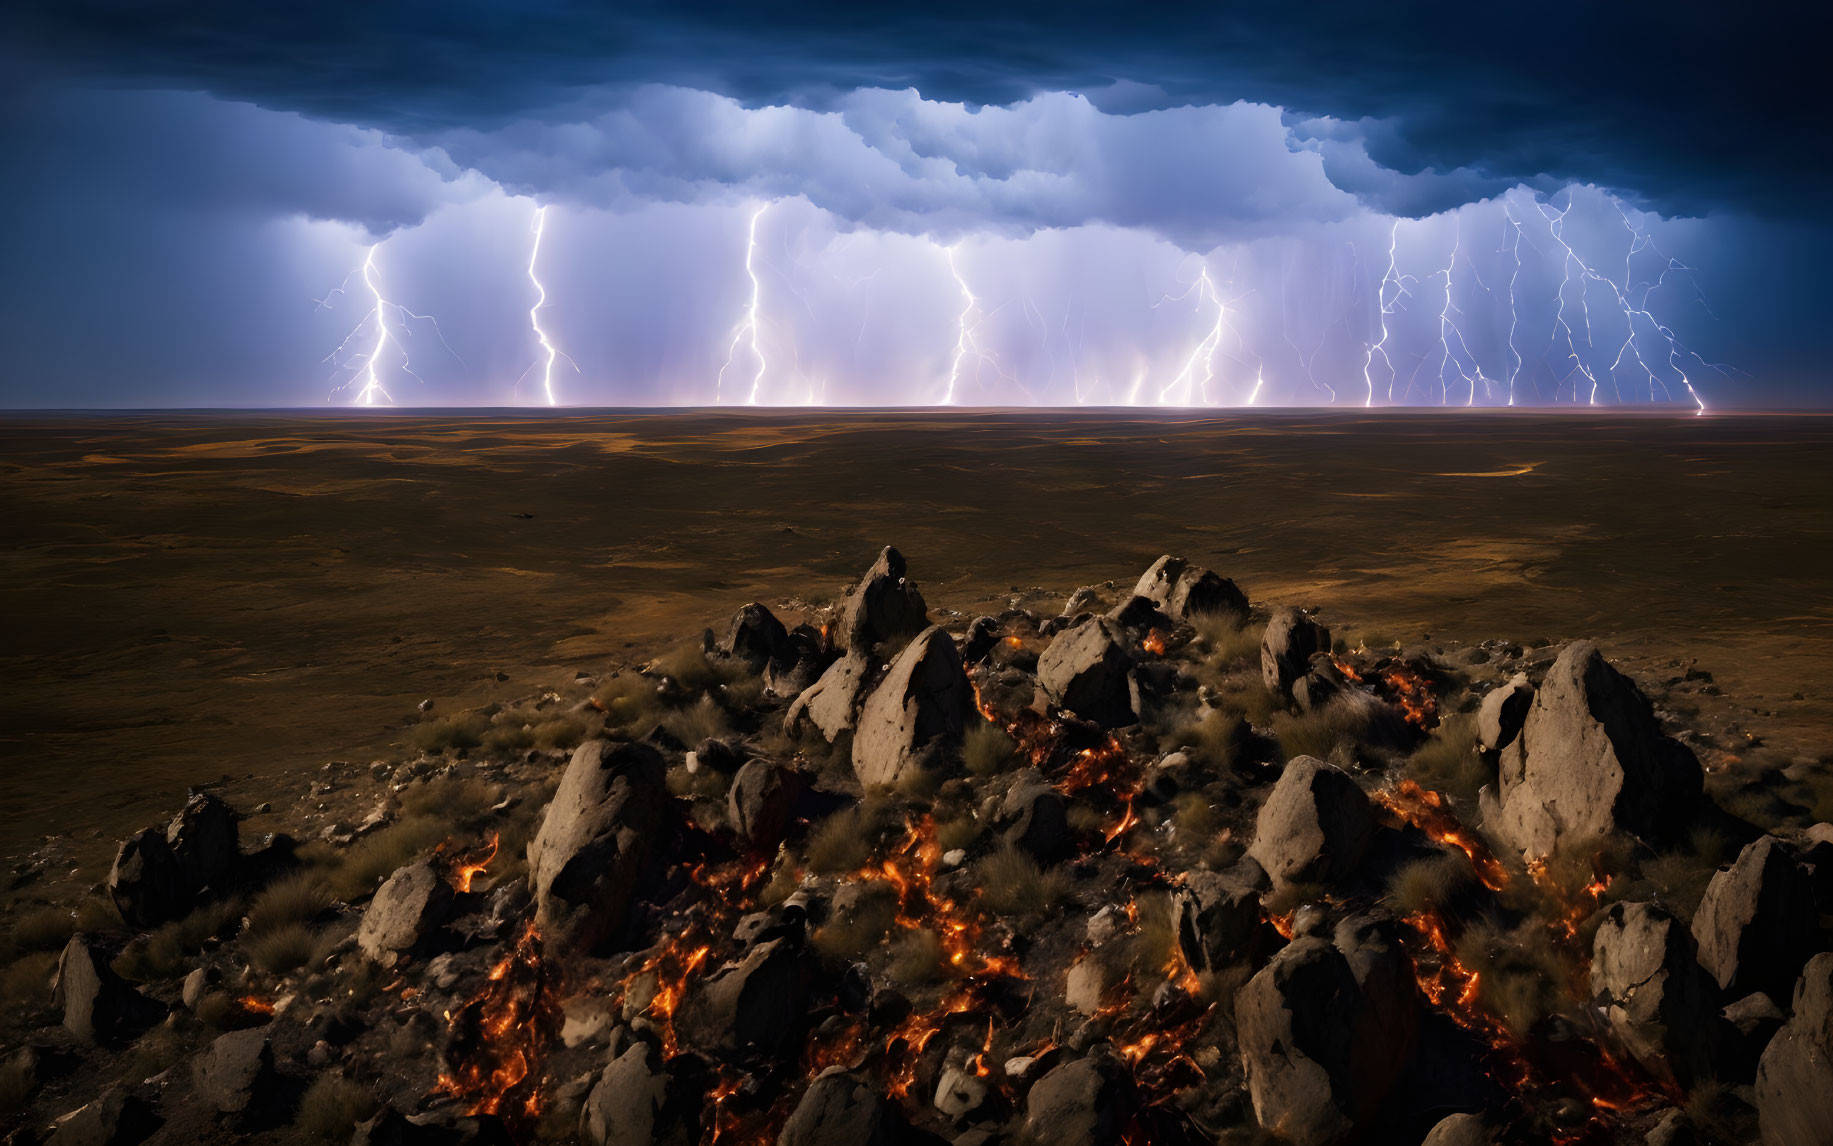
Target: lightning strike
368 377
1450 328
1203 355
548 350
747 330
967 326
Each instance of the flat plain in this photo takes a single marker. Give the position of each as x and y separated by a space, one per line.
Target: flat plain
241 597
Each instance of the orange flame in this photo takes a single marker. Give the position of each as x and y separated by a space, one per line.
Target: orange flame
499 1038
1154 643
466 868
1427 810
255 1006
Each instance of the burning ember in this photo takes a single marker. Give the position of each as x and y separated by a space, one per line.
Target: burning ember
1154 643
1427 810
499 1038
1412 693
468 866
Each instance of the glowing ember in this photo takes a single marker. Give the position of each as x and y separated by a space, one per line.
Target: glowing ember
1154 643
1413 694
1428 811
499 1038
467 867
255 1006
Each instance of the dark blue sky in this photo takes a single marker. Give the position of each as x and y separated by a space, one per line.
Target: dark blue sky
1188 203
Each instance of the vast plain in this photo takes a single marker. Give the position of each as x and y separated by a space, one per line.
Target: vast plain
242 597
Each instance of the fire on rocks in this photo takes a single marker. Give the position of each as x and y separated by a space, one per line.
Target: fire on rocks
1161 868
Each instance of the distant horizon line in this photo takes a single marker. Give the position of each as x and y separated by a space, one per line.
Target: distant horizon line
1644 410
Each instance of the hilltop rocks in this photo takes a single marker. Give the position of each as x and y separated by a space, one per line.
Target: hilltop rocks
1503 711
415 900
1757 921
1318 1061
1795 1075
1314 827
594 840
1590 760
922 707
1086 670
761 803
831 704
885 605
1646 974
755 637
98 1007
160 876
631 1104
1184 590
1081 1103
1286 649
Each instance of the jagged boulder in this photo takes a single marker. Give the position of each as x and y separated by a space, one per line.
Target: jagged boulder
595 839
830 706
840 1109
1217 917
1314 827
203 839
235 1075
117 1118
1591 760
1086 670
798 666
1503 711
406 909
1460 1130
1645 973
147 883
1184 590
1286 649
916 714
1318 1059
755 637
761 803
98 1006
884 605
754 1004
1756 924
1034 816
1084 1102
1795 1075
636 1103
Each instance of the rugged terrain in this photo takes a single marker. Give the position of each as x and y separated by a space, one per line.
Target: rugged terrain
1155 863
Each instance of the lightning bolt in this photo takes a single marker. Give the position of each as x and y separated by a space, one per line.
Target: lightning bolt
1386 305
1449 328
1514 317
1203 355
368 375
747 330
967 326
548 350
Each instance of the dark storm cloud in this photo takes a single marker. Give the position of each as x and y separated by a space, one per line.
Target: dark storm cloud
1691 106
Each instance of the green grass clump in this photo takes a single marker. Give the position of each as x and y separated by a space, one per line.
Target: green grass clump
1448 761
1012 883
332 1106
297 898
988 750
961 832
842 843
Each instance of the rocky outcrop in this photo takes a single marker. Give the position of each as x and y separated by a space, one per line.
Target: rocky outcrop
235 1075
1286 648
1503 711
1184 590
1086 669
1756 924
916 715
830 706
1645 973
1795 1075
594 840
117 1118
761 803
1319 1061
1217 917
203 839
840 1109
159 876
754 637
884 606
1315 825
406 909
634 1102
1034 817
1085 1102
98 1007
754 1005
1590 760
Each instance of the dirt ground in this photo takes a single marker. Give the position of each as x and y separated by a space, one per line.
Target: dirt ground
189 597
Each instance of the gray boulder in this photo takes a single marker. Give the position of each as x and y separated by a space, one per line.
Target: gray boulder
1286 648
1217 917
1084 1102
634 1103
885 605
1087 669
830 706
1460 1130
235 1075
147 883
761 803
1645 973
753 1005
839 1109
203 839
1184 590
1035 817
916 714
98 1006
1316 1056
1591 760
1795 1075
755 637
1314 827
117 1118
406 909
1503 711
594 841
1756 924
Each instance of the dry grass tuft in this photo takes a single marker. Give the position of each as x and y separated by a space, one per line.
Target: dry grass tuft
1212 740
1439 884
843 842
850 936
1012 883
631 703
1522 977
1318 732
169 950
988 750
42 928
332 1106
1229 637
916 958
359 869
1448 761
297 898
702 720
961 832
463 730
27 979
288 947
